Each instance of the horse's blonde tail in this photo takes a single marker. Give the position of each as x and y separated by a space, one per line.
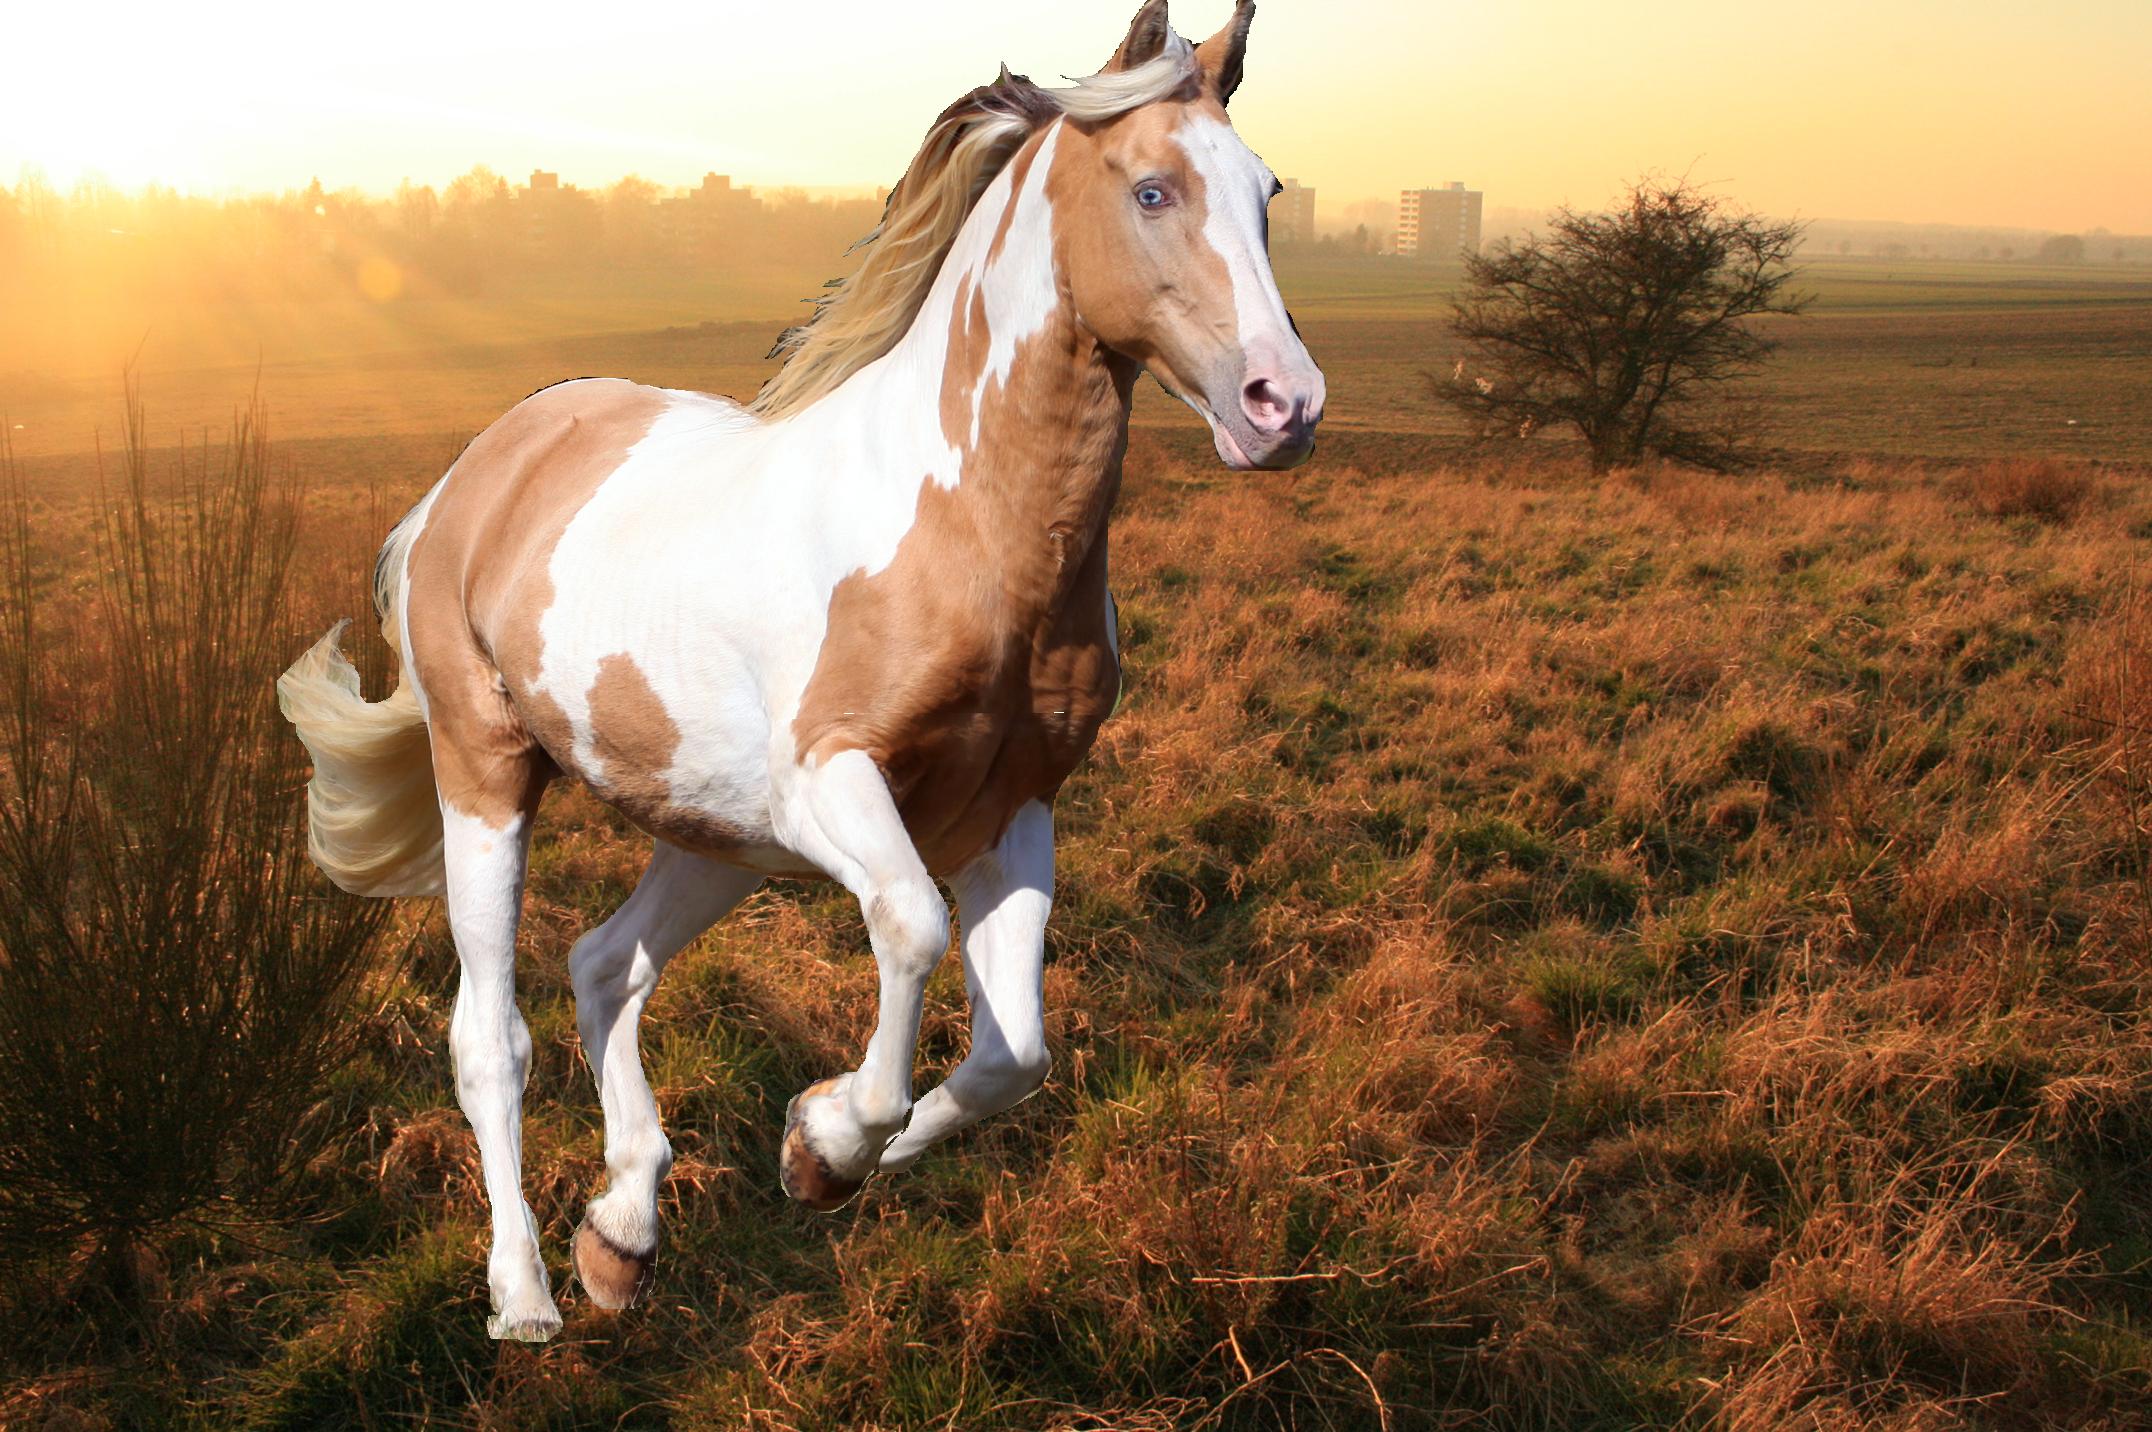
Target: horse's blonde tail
373 816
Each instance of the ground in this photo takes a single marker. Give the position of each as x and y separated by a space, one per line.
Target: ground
1530 951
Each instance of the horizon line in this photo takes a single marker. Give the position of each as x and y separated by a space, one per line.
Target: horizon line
29 172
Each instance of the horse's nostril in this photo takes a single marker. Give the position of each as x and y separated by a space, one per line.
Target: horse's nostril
1266 405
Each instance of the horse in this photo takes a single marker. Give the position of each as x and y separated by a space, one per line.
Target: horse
856 629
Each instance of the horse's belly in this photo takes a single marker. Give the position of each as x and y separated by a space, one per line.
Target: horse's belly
685 771
738 837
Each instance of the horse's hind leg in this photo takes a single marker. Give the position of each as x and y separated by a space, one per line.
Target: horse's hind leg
615 968
485 864
490 774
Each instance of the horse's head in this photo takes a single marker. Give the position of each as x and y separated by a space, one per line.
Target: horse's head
1160 214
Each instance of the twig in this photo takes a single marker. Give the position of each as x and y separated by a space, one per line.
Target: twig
1239 1278
1382 1409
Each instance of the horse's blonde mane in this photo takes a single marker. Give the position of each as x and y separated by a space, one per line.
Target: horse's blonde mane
864 315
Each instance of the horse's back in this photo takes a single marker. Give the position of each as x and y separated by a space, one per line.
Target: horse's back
491 525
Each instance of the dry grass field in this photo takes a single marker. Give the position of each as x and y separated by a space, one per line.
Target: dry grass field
1531 951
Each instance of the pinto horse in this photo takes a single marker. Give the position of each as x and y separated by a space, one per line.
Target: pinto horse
856 629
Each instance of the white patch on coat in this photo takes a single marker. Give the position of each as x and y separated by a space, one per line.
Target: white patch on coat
492 1048
1018 285
1236 191
416 522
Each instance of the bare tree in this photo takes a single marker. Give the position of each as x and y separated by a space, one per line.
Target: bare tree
1617 324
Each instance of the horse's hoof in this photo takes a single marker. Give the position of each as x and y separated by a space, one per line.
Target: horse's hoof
806 1176
531 1325
614 1278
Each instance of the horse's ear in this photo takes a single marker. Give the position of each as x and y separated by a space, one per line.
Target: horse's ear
1219 57
1146 37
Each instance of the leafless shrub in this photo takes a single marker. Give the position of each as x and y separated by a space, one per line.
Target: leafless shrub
175 979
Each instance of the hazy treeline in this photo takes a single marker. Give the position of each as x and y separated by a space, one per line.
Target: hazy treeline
421 241
314 242
1856 238
1880 239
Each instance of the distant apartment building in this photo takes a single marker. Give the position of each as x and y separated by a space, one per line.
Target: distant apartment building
1438 223
1292 215
700 221
555 218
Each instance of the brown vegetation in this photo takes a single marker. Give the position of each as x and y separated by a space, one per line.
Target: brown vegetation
2044 488
1532 950
174 984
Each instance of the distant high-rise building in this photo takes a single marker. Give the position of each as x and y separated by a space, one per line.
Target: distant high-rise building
1292 214
1439 223
556 218
708 215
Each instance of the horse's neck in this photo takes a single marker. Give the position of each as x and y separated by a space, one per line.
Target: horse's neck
996 392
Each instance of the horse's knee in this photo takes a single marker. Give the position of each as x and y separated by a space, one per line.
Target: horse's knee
602 967
491 1048
1012 1074
909 924
1029 1070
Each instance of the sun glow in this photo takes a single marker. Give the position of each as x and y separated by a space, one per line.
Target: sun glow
1837 109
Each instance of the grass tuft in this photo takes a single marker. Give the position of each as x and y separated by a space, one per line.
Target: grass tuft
2047 489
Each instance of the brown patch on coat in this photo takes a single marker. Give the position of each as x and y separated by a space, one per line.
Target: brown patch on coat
478 584
976 668
970 340
632 735
636 741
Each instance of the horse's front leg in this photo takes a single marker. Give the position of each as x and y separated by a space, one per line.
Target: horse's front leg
839 814
1002 900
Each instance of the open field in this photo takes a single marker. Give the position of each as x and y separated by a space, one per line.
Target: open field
1934 359
1530 951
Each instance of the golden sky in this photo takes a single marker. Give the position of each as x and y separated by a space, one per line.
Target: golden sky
1999 112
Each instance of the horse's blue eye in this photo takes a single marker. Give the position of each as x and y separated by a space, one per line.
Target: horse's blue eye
1150 196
